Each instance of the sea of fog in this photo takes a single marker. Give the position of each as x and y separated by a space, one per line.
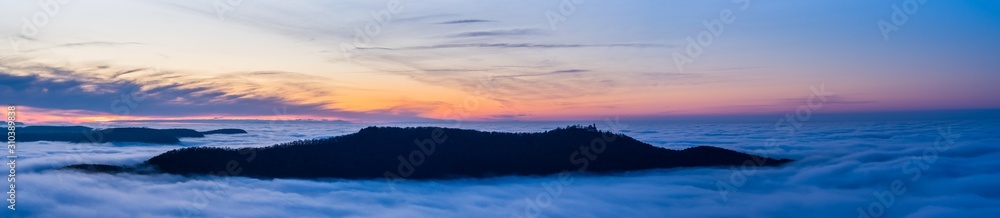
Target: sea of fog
856 169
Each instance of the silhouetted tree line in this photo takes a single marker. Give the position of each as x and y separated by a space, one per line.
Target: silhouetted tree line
224 131
83 134
183 133
427 152
88 135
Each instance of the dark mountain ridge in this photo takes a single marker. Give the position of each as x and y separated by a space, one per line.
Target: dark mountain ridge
83 134
433 153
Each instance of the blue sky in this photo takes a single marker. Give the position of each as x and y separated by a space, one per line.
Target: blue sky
494 60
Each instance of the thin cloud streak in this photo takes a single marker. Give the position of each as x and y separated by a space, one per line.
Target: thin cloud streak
495 33
517 45
465 21
166 94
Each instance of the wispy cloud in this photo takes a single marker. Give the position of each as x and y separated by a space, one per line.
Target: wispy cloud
508 116
168 94
517 45
570 71
82 44
510 32
465 21
836 99
558 72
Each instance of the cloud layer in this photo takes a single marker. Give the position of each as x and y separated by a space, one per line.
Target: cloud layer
148 92
839 167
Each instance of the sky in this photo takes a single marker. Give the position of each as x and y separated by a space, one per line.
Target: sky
405 60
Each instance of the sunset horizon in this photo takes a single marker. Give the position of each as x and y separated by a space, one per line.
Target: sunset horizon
406 61
501 108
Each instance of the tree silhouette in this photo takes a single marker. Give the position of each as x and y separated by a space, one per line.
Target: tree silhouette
427 153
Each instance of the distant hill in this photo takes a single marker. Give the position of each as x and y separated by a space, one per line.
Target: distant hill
236 121
224 131
83 134
183 133
51 129
446 153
